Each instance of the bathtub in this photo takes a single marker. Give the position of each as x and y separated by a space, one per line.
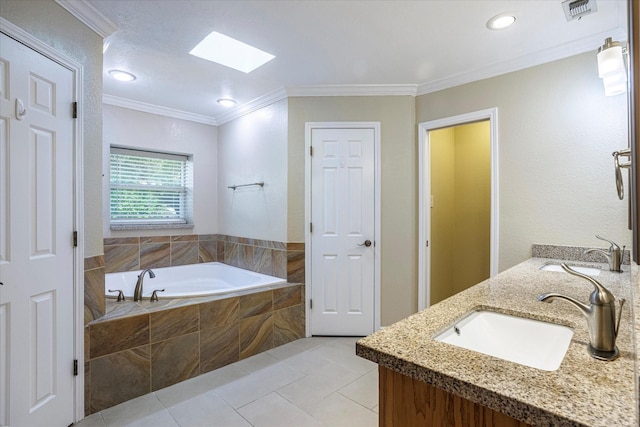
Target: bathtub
193 280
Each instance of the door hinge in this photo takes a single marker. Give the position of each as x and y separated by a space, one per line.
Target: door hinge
75 239
75 367
74 110
310 303
311 150
427 243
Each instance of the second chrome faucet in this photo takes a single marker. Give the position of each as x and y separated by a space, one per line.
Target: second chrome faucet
614 255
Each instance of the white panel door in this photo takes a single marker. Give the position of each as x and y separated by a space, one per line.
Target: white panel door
342 238
36 246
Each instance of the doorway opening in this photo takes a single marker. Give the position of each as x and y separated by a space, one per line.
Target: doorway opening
458 206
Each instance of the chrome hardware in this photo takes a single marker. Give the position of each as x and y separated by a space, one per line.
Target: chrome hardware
614 255
260 184
366 243
120 294
154 295
600 315
618 167
137 293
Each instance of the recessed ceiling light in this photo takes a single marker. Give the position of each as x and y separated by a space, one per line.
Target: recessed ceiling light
122 76
226 102
230 52
500 22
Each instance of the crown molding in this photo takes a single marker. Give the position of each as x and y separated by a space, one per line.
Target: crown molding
353 90
89 16
158 110
542 57
251 106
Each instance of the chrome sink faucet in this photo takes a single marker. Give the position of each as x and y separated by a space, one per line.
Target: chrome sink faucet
137 293
600 315
614 255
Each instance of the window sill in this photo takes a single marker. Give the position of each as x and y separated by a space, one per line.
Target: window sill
149 226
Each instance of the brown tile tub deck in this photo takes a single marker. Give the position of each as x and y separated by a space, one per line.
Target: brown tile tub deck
137 348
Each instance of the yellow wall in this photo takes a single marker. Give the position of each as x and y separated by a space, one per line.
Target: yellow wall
441 143
461 212
472 205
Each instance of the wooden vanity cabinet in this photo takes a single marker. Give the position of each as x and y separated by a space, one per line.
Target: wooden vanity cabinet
406 402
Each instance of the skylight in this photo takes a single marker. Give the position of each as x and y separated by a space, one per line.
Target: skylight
230 52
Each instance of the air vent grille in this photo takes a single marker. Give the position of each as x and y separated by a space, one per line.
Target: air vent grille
576 9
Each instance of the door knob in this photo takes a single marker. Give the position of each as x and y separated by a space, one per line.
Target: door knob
366 243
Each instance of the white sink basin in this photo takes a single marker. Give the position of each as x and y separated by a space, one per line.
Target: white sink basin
589 271
533 343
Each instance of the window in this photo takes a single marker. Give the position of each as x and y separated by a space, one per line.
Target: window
149 187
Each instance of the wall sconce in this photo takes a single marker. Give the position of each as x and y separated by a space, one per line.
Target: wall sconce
611 68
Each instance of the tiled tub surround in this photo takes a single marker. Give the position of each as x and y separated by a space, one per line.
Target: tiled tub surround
284 260
137 348
126 369
582 392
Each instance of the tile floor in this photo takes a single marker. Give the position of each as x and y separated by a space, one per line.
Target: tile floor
306 383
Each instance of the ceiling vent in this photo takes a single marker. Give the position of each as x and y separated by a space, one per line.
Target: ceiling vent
576 9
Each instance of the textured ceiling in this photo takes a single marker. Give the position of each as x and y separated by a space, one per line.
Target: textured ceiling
430 44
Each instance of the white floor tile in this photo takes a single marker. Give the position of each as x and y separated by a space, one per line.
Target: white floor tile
307 362
132 411
313 342
162 418
314 387
339 411
289 350
345 355
207 410
93 420
257 362
274 411
247 389
199 385
364 390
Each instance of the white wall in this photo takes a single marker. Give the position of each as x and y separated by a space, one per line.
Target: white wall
130 128
556 134
253 148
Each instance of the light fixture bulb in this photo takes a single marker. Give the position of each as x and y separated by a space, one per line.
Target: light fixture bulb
611 68
122 76
500 22
226 102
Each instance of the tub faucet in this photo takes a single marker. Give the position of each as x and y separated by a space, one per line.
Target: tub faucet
600 315
614 255
137 293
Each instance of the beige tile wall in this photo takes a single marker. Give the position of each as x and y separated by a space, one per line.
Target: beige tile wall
284 260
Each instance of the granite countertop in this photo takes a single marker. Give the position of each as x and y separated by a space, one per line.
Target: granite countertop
582 392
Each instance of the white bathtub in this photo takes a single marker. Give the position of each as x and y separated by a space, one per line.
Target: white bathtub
193 280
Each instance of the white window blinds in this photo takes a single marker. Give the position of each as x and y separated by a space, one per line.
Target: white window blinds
148 187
